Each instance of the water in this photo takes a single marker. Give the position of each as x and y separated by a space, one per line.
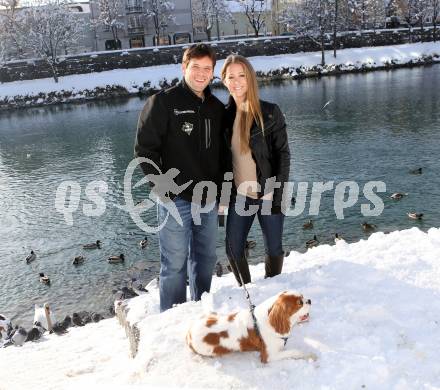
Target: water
375 126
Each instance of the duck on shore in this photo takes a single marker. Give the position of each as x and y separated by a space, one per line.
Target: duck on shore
116 259
44 278
30 258
338 238
19 337
93 245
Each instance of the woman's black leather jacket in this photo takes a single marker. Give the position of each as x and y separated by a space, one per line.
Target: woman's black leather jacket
270 149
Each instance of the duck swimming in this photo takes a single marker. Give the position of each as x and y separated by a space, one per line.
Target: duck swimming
397 195
44 278
93 245
368 227
116 259
414 215
308 225
313 242
31 257
78 260
143 244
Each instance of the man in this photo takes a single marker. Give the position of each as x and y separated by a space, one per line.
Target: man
181 128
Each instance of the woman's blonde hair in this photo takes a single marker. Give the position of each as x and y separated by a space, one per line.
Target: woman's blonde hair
253 112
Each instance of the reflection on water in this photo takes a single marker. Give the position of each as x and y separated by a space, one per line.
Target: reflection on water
351 128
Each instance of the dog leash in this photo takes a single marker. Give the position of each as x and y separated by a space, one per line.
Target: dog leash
248 297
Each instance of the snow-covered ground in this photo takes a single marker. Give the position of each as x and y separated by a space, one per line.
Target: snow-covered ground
375 324
133 79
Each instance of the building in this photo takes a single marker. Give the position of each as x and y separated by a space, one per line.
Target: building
137 27
237 23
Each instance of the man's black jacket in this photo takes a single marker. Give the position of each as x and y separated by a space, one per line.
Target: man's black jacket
177 129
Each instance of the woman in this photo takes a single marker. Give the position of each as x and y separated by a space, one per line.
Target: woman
259 150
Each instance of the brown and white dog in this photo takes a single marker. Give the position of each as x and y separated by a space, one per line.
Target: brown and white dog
217 335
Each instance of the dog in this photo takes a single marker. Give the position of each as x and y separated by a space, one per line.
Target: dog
216 335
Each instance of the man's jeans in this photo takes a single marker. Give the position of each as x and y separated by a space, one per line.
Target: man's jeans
180 244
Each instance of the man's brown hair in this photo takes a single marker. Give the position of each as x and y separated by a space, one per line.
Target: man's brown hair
199 50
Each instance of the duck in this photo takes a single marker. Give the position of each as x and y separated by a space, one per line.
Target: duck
19 337
414 215
338 238
31 257
137 286
250 244
44 278
308 225
368 227
93 245
78 260
313 242
143 244
219 270
116 259
417 171
397 195
76 320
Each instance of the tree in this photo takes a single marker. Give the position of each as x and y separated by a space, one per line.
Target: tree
255 12
46 30
159 11
8 26
421 12
368 13
377 13
109 16
408 11
434 13
335 25
208 11
312 19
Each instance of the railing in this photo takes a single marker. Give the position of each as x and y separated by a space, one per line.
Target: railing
133 8
135 30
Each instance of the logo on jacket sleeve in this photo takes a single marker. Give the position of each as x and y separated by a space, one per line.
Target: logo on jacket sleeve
187 127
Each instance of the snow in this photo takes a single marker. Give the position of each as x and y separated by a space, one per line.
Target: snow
374 324
131 78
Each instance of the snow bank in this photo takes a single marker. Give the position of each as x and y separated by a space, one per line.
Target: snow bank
144 80
374 325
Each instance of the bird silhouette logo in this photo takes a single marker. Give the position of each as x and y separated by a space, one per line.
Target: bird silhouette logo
163 185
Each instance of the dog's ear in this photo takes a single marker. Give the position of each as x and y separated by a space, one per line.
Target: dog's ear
279 317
